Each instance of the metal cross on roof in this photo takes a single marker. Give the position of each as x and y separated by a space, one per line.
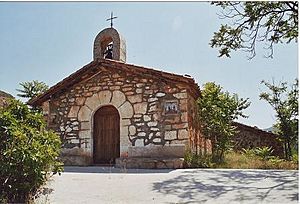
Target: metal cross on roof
111 19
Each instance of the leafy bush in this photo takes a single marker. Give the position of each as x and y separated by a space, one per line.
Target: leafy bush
28 153
193 160
248 152
263 152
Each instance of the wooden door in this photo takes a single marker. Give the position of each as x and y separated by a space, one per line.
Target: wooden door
106 135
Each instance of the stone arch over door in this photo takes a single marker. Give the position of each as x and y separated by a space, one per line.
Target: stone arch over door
106 135
87 111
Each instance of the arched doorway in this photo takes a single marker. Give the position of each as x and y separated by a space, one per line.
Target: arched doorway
106 135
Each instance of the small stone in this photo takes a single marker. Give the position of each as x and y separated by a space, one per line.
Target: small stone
139 143
126 110
140 108
118 98
74 123
154 129
129 93
84 114
139 91
69 129
132 130
114 88
157 140
104 97
73 111
119 83
135 98
139 85
152 99
180 126
170 135
152 108
127 89
183 134
124 131
184 117
142 134
180 95
125 122
146 118
75 141
92 102
95 88
160 94
84 134
151 124
85 125
115 76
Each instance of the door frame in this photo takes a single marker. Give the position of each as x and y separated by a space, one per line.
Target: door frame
92 129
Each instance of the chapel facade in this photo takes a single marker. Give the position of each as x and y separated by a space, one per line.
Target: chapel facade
113 112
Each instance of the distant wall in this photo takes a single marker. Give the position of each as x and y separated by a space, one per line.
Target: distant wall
251 137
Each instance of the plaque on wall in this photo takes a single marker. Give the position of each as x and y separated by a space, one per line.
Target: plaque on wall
171 107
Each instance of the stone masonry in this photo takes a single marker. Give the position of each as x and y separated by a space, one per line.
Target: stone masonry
139 101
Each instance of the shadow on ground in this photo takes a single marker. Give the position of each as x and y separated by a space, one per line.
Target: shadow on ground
108 169
232 186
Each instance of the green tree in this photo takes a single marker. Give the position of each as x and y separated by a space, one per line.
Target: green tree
216 111
285 104
31 89
270 22
28 152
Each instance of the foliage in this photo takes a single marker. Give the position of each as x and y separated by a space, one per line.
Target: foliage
235 160
248 152
31 89
216 111
248 159
28 152
263 152
285 104
270 22
192 160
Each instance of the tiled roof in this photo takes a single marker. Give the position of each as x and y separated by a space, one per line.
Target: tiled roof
253 129
93 68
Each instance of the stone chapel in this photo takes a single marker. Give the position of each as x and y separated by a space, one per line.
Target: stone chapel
111 112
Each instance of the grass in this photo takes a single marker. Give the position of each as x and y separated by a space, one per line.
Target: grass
236 160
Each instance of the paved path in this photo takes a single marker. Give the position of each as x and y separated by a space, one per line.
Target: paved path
111 185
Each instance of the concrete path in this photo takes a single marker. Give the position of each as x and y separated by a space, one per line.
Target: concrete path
111 185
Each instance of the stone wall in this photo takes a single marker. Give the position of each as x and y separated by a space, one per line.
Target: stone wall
140 102
251 137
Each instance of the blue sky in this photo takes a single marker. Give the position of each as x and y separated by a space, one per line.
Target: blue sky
47 41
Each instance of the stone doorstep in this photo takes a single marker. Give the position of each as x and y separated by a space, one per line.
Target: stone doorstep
149 163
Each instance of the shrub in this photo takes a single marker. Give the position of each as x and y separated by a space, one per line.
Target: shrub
193 160
28 152
248 152
263 152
